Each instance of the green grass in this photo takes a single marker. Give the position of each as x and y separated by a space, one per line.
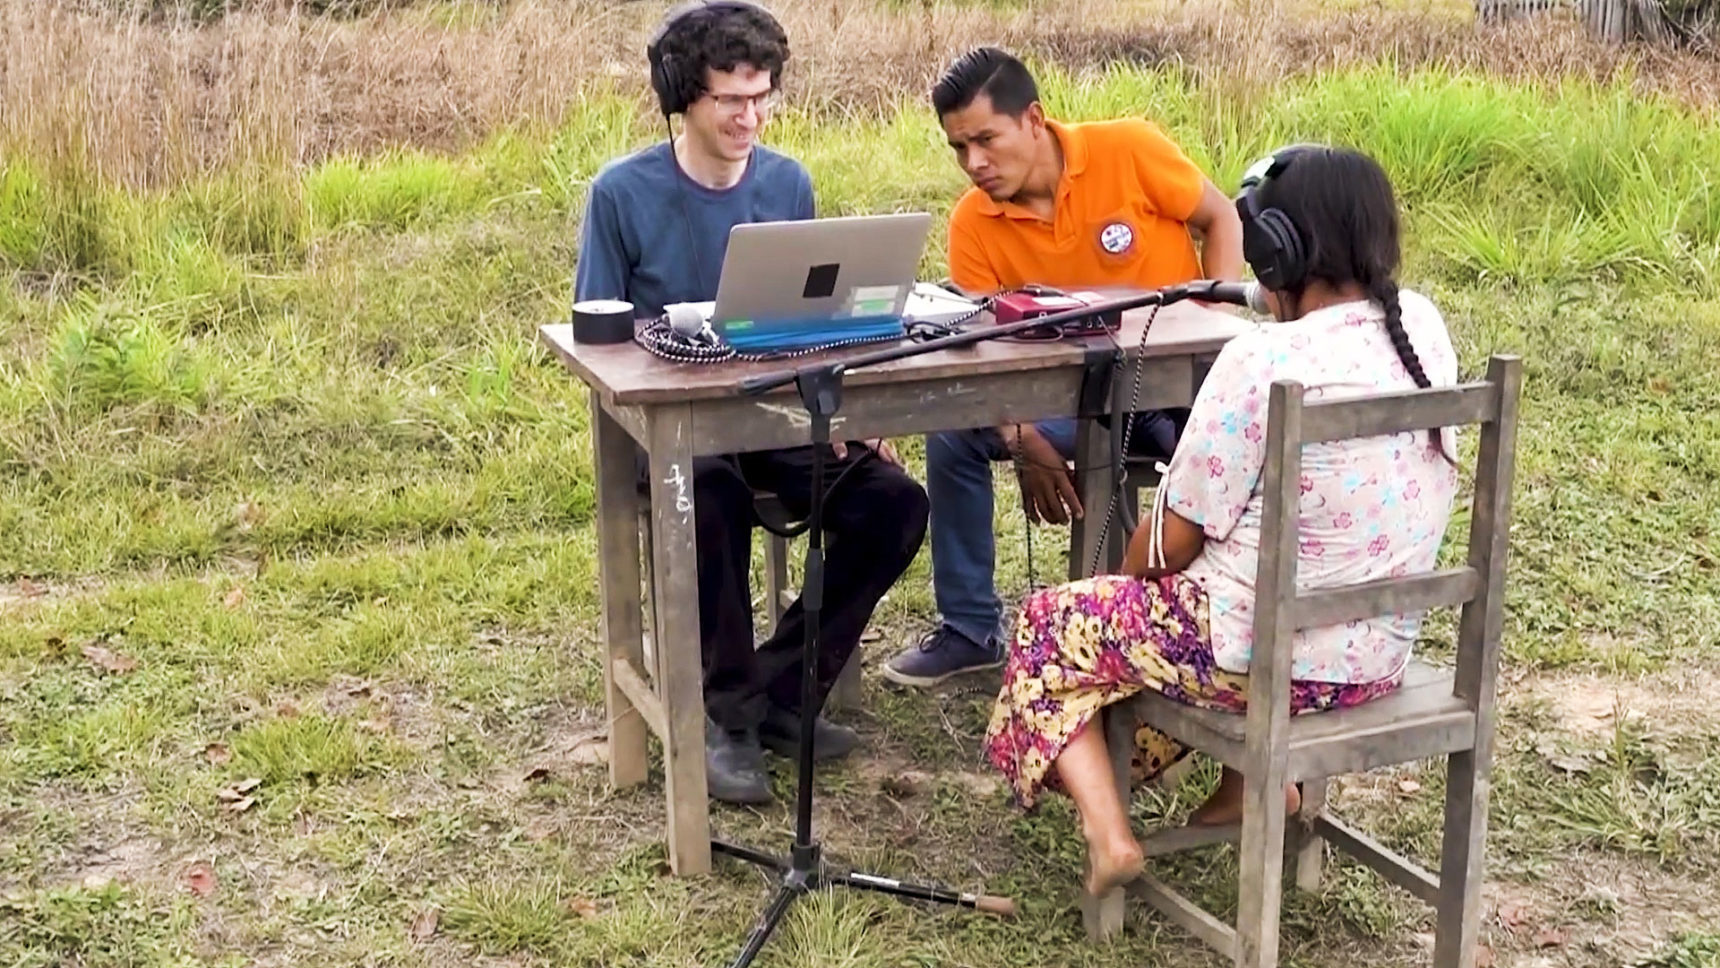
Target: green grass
286 439
104 927
1690 951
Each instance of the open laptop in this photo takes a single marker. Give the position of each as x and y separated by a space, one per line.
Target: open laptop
788 285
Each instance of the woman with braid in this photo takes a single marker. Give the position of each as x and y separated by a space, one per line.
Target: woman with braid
1320 230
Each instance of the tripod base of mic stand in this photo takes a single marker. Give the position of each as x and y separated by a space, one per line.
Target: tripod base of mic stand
804 871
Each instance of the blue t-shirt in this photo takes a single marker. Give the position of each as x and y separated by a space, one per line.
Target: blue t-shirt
645 214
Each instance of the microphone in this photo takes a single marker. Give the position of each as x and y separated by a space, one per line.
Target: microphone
768 381
1249 294
686 321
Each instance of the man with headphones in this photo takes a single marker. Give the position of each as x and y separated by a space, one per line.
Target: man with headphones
655 232
1076 206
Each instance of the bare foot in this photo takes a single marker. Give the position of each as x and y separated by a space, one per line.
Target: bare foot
1109 867
1225 805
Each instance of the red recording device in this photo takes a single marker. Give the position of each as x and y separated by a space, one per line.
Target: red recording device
1030 302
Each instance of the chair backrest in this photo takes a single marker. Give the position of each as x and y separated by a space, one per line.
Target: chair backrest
1478 585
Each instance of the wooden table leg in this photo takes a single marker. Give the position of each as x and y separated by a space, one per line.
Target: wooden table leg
680 679
1095 482
618 562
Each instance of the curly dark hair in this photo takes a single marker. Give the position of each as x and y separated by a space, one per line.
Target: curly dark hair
718 36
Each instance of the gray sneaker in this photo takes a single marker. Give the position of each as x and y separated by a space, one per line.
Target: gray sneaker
941 653
734 766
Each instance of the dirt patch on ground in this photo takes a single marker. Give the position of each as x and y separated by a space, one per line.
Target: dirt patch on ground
1585 907
24 590
1601 910
107 840
1679 702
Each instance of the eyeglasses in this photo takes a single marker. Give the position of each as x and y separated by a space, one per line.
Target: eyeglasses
735 104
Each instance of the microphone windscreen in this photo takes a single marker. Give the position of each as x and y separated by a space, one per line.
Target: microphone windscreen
686 320
1257 299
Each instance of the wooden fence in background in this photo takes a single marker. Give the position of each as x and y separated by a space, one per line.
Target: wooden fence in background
1614 21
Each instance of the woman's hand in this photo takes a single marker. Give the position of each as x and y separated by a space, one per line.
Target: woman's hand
1047 487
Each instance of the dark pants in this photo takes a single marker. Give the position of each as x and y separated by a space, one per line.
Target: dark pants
874 522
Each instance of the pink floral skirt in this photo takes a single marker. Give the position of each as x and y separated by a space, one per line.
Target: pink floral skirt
1081 646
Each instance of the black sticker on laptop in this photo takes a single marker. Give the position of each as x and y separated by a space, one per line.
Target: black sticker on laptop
821 281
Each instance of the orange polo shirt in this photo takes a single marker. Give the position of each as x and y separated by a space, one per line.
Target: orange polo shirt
1121 216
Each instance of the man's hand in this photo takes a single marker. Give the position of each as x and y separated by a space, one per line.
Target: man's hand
1047 487
878 445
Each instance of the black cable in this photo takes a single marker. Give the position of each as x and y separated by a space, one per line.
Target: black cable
660 340
1122 430
799 528
1120 449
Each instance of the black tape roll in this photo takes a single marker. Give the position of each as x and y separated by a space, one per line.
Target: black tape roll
602 321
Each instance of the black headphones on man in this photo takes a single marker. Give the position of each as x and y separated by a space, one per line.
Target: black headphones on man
1271 242
677 89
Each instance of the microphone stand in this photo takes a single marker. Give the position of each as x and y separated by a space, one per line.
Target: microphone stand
820 389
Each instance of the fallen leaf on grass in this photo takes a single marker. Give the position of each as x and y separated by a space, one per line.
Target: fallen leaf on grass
235 598
108 660
1409 786
1579 761
424 925
217 753
237 798
593 751
584 907
287 709
1549 938
199 879
1512 915
238 790
1483 955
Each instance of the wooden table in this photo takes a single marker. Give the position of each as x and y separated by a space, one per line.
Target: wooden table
678 411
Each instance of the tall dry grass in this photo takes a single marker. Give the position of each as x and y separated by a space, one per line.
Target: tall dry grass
136 103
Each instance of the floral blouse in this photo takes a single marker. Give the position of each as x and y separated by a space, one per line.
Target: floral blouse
1371 509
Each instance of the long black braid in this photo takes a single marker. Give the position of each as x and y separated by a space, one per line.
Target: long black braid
1385 292
1342 206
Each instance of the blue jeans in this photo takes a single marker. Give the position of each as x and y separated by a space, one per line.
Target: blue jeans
964 548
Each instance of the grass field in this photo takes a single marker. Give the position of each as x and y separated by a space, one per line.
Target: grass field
297 640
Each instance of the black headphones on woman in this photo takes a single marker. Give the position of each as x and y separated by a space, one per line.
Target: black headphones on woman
1271 243
678 89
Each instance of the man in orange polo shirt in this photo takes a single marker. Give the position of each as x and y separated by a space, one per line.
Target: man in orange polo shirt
1106 203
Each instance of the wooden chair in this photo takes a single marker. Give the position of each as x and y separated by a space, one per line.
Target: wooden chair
778 593
1436 712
